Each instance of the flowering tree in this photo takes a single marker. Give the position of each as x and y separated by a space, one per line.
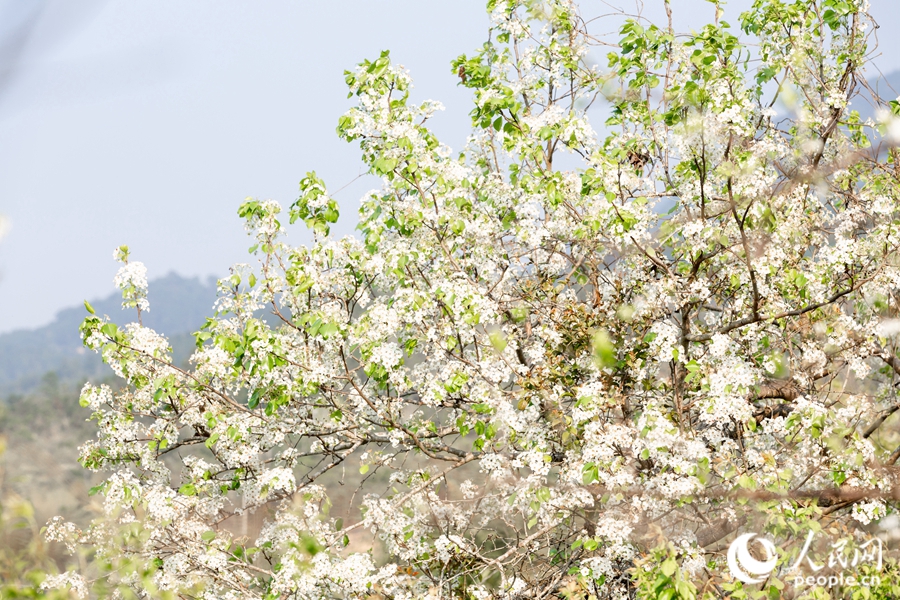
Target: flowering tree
577 364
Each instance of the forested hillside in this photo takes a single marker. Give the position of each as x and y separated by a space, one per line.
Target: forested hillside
179 307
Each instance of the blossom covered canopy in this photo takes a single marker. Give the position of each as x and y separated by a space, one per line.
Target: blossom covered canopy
565 363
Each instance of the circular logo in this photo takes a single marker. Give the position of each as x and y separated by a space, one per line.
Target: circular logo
746 568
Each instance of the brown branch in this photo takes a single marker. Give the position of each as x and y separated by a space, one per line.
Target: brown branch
786 390
791 313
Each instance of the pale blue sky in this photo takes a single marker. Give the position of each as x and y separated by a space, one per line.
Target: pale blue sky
147 123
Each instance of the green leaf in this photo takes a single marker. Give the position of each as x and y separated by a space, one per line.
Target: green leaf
668 567
686 590
89 308
498 341
188 489
603 349
208 536
384 165
328 329
590 473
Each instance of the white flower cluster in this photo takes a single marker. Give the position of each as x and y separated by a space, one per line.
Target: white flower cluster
545 362
132 280
68 580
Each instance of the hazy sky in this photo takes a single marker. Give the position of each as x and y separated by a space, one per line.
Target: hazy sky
148 123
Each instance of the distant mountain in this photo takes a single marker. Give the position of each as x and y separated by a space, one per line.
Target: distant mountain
886 87
178 307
